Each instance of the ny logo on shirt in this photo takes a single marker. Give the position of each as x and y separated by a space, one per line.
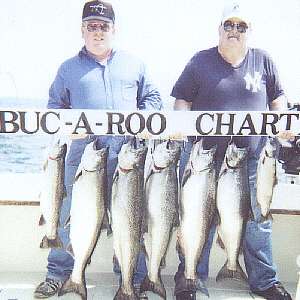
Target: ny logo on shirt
253 83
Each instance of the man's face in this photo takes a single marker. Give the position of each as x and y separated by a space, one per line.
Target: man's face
98 36
234 32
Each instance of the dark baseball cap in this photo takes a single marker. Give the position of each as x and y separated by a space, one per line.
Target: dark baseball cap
98 10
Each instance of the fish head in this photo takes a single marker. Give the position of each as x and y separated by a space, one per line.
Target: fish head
93 158
57 149
132 154
201 158
235 156
166 153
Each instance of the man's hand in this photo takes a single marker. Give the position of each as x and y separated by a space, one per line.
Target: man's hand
78 136
286 135
178 136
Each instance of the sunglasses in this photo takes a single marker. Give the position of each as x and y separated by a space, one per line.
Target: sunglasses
98 27
240 27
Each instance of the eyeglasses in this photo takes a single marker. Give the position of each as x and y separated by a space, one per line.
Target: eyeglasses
98 27
229 26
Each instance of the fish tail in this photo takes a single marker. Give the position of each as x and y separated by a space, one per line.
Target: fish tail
226 273
51 243
121 295
220 242
155 287
42 220
71 287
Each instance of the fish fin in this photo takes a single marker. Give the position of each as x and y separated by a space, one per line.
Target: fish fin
186 175
116 261
149 171
121 295
51 243
71 287
237 274
116 175
42 220
89 261
70 249
155 287
45 165
217 218
106 224
78 174
220 242
68 222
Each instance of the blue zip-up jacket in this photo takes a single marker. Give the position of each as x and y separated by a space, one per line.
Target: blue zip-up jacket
121 84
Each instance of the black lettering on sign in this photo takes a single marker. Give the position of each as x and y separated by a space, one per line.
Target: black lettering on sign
247 125
85 125
23 122
221 124
8 120
269 119
44 122
111 121
153 118
141 123
199 123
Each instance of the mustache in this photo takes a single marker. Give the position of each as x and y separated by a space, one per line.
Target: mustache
237 36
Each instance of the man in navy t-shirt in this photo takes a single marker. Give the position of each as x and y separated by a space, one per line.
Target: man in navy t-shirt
232 77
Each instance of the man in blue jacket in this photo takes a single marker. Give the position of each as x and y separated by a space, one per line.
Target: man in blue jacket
99 77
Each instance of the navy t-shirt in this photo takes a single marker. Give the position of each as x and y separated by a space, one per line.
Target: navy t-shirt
212 84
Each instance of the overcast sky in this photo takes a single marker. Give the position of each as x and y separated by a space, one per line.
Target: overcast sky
38 35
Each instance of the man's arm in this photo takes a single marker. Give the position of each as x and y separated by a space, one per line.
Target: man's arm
280 103
59 95
181 104
148 96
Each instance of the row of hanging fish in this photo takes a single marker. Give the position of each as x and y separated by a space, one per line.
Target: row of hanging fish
145 209
206 197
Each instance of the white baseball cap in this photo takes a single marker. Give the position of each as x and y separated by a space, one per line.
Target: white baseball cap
235 10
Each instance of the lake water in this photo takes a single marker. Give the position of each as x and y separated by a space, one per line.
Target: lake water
22 153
